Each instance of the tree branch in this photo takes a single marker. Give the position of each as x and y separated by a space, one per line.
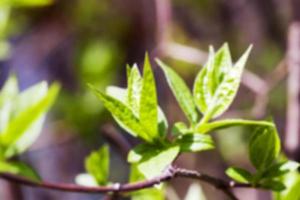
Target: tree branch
170 173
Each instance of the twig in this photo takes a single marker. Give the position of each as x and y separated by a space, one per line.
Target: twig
119 141
171 173
292 137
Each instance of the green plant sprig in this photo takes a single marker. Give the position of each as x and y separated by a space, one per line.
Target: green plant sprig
136 110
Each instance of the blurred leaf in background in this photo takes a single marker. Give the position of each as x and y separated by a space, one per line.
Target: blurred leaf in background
97 64
22 114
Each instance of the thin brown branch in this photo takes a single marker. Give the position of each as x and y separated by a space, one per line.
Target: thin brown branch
292 138
118 140
170 173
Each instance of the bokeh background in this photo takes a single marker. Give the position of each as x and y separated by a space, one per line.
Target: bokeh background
76 42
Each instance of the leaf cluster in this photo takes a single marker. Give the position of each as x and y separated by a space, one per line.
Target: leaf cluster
136 110
21 118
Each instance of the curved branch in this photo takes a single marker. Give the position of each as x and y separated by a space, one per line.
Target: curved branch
170 173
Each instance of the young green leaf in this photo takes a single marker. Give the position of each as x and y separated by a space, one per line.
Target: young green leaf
181 92
272 185
221 124
221 65
121 95
123 114
134 89
239 175
23 130
227 89
211 76
117 92
143 151
7 95
202 90
97 165
195 143
162 123
23 3
148 101
180 128
19 168
279 169
292 183
153 166
264 147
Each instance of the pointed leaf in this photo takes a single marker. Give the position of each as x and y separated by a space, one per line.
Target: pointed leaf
211 76
221 65
292 183
7 95
148 101
264 147
280 169
117 93
125 117
97 165
227 89
221 124
134 90
23 130
181 128
19 168
142 151
202 90
273 185
121 95
181 92
239 175
155 164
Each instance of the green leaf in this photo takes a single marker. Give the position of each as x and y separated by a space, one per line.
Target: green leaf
142 151
279 169
292 183
221 66
25 127
227 89
202 90
134 89
180 128
272 185
195 143
117 93
239 175
148 102
7 95
20 169
18 3
162 123
264 147
211 76
154 165
221 124
123 114
181 92
97 165
121 95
